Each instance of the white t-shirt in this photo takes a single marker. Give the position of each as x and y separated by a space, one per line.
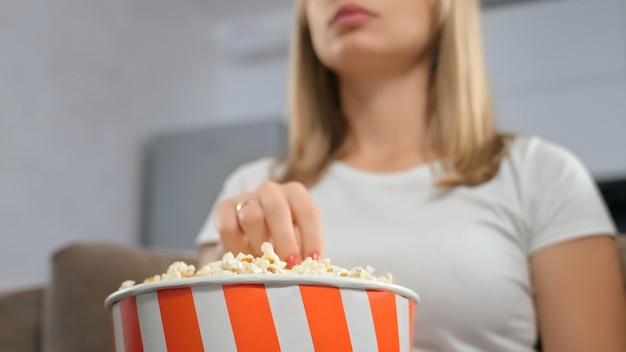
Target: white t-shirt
465 251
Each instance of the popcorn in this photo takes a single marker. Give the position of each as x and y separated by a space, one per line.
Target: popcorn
155 278
127 284
271 256
268 264
179 270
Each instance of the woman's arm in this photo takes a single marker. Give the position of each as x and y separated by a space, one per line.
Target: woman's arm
581 300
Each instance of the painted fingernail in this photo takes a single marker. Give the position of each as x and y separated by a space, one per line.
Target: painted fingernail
316 256
292 261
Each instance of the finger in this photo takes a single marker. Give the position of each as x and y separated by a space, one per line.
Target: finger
306 218
298 235
227 224
279 222
252 222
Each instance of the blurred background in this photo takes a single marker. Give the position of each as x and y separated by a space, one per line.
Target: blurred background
119 119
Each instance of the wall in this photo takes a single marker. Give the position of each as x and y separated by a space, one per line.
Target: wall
559 70
83 84
251 66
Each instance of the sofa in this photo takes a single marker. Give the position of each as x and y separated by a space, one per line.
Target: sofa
69 315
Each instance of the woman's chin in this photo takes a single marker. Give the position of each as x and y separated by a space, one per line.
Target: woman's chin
357 59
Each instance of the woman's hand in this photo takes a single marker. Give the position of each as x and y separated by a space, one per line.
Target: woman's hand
283 214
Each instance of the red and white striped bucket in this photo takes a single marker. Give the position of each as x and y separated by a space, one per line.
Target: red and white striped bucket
263 313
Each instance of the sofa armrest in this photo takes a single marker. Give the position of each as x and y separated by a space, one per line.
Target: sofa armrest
83 275
20 320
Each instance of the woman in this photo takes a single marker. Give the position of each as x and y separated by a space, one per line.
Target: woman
395 159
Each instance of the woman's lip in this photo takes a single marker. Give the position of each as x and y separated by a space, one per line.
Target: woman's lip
351 15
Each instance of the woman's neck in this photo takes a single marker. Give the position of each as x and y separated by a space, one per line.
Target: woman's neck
388 119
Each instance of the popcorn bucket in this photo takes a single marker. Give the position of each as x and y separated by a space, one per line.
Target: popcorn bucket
263 313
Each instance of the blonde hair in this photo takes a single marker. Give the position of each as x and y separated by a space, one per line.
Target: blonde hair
461 126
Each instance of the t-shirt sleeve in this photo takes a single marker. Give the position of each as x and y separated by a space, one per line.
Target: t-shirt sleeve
245 179
564 202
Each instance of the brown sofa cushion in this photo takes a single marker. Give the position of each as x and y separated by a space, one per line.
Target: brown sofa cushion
83 275
20 320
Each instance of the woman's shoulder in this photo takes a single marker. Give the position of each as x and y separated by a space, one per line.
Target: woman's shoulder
541 163
257 169
252 174
534 151
560 197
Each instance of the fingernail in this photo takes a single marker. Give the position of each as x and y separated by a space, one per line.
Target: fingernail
316 256
292 261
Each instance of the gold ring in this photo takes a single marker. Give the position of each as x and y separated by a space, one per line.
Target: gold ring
241 205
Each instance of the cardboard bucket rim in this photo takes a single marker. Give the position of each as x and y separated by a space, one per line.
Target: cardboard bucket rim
268 280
